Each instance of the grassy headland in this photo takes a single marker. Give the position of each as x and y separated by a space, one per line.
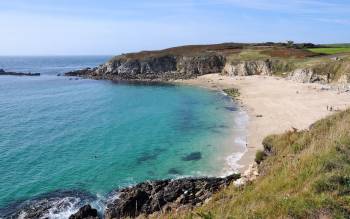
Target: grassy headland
305 175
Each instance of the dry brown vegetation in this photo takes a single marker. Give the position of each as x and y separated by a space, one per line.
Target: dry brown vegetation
270 49
285 52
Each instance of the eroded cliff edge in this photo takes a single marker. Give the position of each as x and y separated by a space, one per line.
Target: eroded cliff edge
295 62
192 61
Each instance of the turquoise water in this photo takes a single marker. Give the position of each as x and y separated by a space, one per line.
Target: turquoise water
96 136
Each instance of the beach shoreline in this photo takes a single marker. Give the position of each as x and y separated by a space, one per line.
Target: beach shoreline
273 105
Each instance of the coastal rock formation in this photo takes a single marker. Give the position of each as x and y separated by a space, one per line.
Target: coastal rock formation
3 72
85 212
154 68
49 205
249 175
200 65
154 196
307 75
344 79
245 68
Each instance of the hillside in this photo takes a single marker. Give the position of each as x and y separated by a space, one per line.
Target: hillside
300 62
304 174
190 61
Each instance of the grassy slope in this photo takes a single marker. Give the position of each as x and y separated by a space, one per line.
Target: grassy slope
307 176
331 51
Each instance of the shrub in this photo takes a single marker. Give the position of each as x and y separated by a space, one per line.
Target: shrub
259 156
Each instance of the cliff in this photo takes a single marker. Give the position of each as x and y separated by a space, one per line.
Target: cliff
192 61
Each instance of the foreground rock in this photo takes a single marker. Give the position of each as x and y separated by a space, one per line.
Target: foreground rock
2 72
160 196
85 212
50 205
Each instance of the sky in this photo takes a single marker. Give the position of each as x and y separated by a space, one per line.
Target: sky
109 27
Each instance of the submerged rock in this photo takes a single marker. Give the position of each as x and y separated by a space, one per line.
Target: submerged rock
231 108
174 171
193 156
153 196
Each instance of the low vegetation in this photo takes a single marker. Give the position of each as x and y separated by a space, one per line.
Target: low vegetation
240 51
259 156
232 92
306 175
330 50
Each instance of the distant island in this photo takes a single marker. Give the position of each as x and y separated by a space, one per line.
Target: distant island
3 72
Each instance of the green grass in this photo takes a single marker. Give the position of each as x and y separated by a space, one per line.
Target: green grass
259 156
338 45
330 51
307 175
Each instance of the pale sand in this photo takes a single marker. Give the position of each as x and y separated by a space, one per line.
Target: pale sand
283 105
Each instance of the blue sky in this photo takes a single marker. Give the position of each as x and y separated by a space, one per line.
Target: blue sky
75 27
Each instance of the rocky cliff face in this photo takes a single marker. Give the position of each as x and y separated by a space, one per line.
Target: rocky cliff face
307 75
245 68
155 68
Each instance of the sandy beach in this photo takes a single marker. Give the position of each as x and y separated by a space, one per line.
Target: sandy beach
275 105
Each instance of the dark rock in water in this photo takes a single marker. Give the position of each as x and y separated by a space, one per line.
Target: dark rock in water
233 109
58 74
2 72
153 196
151 173
174 171
85 212
82 72
223 126
147 156
51 203
193 156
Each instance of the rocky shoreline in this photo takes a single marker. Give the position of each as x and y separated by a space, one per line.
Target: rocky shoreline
160 196
146 198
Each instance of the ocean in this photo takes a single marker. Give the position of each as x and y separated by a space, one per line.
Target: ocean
76 140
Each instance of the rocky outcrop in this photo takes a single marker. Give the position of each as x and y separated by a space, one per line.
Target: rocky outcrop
2 72
245 68
85 212
200 65
307 75
49 205
160 196
163 67
344 79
